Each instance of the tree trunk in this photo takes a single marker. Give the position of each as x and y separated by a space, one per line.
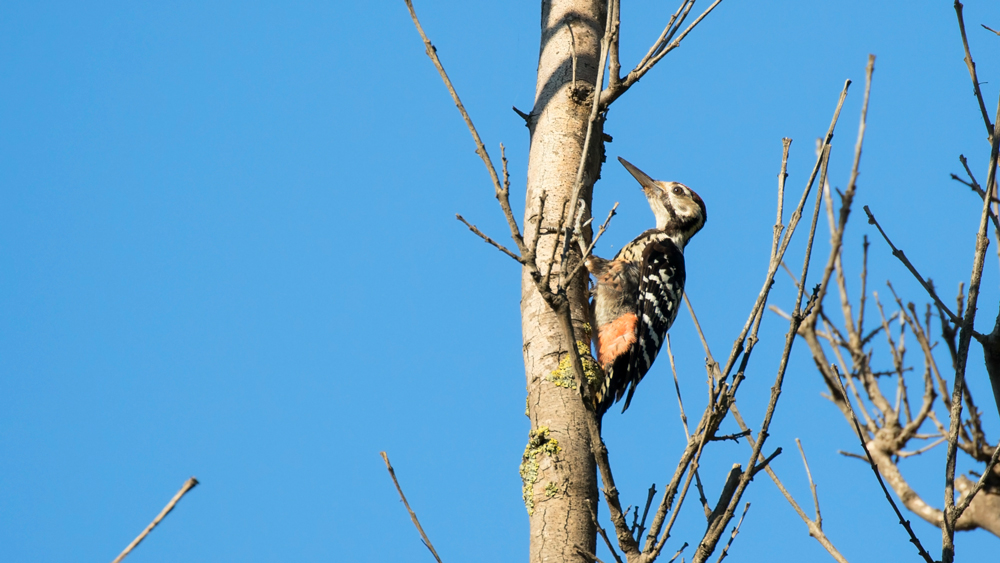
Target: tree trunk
560 483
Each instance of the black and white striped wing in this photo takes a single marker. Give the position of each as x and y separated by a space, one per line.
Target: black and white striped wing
661 287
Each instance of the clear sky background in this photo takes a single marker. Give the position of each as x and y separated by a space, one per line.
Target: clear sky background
229 250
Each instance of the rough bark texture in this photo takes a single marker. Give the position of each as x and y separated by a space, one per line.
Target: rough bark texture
982 512
991 356
558 469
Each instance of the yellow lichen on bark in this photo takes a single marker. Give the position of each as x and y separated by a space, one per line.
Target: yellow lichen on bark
539 443
563 375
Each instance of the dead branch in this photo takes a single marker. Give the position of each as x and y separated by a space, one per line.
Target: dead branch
488 240
875 469
578 182
501 190
593 243
972 71
812 485
815 526
187 486
480 148
413 515
736 530
708 543
964 338
909 266
722 398
656 53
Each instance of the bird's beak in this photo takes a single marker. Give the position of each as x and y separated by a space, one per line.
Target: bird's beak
645 181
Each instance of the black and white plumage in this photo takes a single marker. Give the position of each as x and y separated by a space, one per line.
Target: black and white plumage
637 294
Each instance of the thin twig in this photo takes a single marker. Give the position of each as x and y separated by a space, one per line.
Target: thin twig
734 437
645 511
684 421
846 199
815 527
413 515
677 387
480 148
871 462
972 70
966 334
578 182
717 527
614 64
483 236
604 535
593 243
764 464
812 485
909 266
667 33
852 454
679 551
975 187
786 144
927 448
714 373
979 484
659 50
736 530
188 485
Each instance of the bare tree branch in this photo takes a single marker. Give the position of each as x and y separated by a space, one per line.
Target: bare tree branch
593 243
483 236
812 485
638 530
964 338
972 71
615 65
736 530
847 199
909 266
864 444
501 193
578 183
721 399
656 52
187 486
413 515
815 526
968 498
604 535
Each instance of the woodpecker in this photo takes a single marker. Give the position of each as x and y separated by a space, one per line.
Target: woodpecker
637 293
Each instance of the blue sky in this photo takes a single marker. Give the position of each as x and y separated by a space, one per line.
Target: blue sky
229 250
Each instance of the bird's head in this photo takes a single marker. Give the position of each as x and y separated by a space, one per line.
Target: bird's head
678 209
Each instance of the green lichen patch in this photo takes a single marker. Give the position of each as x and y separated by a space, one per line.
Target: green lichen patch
539 444
563 375
551 490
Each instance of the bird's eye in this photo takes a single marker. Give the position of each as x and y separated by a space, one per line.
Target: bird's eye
678 190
